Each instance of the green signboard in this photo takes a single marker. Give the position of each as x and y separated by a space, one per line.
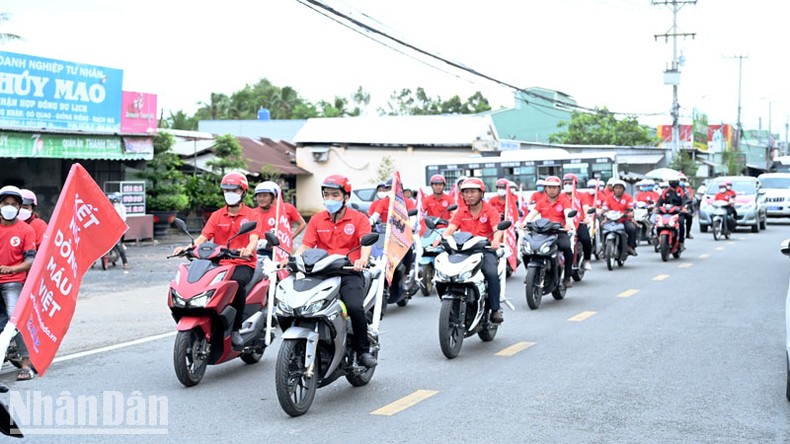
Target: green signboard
66 146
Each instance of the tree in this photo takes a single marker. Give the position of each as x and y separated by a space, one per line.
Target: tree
384 170
180 120
684 163
229 155
418 103
4 36
165 191
602 128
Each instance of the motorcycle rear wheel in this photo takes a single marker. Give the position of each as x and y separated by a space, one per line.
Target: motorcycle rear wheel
532 288
189 366
716 228
360 379
610 254
451 328
663 246
427 279
295 391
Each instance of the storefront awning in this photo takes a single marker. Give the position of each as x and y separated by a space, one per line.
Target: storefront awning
640 159
21 145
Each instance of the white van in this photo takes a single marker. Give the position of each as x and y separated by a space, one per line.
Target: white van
777 193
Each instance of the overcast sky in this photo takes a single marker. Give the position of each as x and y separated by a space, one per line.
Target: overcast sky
601 52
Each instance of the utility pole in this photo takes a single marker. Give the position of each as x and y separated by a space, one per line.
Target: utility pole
672 75
738 126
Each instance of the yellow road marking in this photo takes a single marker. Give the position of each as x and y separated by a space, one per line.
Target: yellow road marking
660 277
404 403
582 316
627 293
685 265
515 348
703 256
719 248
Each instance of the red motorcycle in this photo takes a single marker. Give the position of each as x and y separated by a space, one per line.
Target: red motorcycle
200 302
668 231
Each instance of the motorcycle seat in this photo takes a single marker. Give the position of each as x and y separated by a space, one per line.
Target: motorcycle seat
257 276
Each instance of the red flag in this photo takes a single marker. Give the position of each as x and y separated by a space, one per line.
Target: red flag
511 214
83 227
421 212
282 229
398 238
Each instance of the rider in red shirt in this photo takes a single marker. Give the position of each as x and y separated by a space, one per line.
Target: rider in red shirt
338 230
581 202
28 214
224 224
379 210
646 193
621 201
435 205
498 201
479 218
266 195
727 194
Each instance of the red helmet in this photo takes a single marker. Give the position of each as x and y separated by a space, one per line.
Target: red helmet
473 183
338 182
502 183
552 181
231 181
438 178
570 177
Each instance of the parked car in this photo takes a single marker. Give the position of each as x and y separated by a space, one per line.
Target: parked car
749 202
363 197
777 193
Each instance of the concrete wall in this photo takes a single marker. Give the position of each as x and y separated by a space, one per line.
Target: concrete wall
360 166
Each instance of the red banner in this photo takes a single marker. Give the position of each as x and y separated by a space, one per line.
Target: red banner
511 214
398 238
282 229
83 227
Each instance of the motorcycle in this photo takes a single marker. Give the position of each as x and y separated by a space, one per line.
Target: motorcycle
200 299
668 231
644 227
463 289
317 333
405 276
545 267
429 252
615 239
720 220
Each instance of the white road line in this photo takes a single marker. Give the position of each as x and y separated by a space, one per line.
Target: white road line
95 351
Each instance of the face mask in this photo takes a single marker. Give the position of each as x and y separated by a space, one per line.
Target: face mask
568 188
232 198
500 191
25 214
721 190
9 212
333 206
382 194
539 189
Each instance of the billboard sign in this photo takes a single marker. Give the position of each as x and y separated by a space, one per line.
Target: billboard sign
138 113
54 95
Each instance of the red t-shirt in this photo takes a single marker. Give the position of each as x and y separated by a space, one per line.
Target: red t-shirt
498 203
435 206
221 226
337 237
39 227
623 204
266 218
16 241
650 197
578 201
727 195
382 206
554 211
483 224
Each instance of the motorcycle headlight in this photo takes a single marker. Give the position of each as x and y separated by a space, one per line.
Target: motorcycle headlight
200 300
284 308
313 308
218 278
439 276
178 301
545 248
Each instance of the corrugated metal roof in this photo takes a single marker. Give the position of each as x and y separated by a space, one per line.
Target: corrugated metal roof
444 130
254 129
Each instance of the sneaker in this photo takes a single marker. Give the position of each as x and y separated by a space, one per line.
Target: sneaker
367 360
497 317
568 282
236 340
587 265
632 251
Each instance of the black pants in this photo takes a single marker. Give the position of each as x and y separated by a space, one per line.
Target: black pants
395 289
121 253
630 230
732 217
584 238
352 294
564 245
243 275
682 222
689 219
489 270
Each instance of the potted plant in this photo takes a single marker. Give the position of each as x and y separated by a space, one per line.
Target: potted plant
165 194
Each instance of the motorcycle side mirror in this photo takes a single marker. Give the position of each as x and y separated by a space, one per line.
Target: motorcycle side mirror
181 225
430 223
452 207
272 239
355 206
369 239
246 227
591 211
504 225
413 212
572 213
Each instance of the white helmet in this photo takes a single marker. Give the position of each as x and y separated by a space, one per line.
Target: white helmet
592 183
267 187
618 182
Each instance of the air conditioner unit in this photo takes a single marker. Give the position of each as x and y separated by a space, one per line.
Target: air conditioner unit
320 154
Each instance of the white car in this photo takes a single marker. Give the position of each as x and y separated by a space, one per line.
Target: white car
777 193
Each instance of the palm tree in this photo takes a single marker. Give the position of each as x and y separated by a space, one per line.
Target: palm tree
4 36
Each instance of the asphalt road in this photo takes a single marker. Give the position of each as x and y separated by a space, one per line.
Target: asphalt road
691 350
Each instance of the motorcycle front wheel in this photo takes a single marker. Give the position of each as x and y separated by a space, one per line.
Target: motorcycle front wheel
451 328
295 390
663 246
610 254
716 227
188 360
532 287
